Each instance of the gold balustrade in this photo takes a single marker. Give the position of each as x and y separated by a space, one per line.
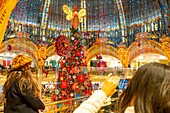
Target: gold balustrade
68 106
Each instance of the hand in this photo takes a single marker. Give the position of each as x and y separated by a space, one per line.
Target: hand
110 84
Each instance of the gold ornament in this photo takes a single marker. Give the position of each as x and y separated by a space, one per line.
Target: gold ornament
75 16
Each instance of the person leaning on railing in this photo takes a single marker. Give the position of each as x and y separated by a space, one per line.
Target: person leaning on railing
20 91
147 92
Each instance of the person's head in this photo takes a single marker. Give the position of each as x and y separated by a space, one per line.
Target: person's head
21 65
149 89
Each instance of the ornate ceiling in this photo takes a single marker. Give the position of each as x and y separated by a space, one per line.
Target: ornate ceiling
118 19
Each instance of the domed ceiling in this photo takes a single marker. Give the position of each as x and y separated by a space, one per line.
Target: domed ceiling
117 20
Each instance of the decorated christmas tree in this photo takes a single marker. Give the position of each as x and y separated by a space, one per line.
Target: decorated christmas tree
73 78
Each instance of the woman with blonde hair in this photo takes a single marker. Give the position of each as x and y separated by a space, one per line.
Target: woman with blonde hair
20 91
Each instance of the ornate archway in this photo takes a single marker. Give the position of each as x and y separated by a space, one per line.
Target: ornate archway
28 47
96 50
148 46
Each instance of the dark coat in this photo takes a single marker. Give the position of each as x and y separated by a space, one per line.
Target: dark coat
18 103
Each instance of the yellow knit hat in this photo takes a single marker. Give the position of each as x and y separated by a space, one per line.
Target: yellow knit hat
21 62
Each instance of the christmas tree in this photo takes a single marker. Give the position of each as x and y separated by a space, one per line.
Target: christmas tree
73 78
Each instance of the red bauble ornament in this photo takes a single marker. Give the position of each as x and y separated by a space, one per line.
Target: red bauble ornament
77 89
68 61
69 102
81 64
53 97
90 85
76 42
62 45
81 47
78 53
64 84
72 57
9 47
87 92
68 69
75 35
81 78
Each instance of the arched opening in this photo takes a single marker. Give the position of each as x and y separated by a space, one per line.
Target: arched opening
150 51
28 48
96 50
149 47
148 58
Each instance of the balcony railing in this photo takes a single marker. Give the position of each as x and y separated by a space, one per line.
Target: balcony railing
66 106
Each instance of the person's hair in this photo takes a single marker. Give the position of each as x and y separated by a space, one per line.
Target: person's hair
27 83
150 89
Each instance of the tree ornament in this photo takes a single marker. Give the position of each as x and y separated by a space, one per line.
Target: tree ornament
71 94
76 42
75 16
78 53
81 78
53 97
87 92
74 85
63 46
64 84
76 34
61 78
72 38
68 68
57 91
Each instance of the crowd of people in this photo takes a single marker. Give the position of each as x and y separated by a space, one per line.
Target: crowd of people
147 92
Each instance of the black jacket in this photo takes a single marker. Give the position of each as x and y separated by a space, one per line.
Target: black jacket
18 103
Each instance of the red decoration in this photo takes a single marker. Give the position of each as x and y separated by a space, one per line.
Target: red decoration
98 57
102 66
8 62
72 57
68 103
4 63
68 61
45 72
53 98
75 35
77 89
75 69
62 45
64 84
78 53
76 42
9 47
81 78
68 69
87 92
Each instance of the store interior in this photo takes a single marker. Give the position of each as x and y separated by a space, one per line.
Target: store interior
110 36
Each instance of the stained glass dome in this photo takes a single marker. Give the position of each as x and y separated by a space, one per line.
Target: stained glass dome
117 20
